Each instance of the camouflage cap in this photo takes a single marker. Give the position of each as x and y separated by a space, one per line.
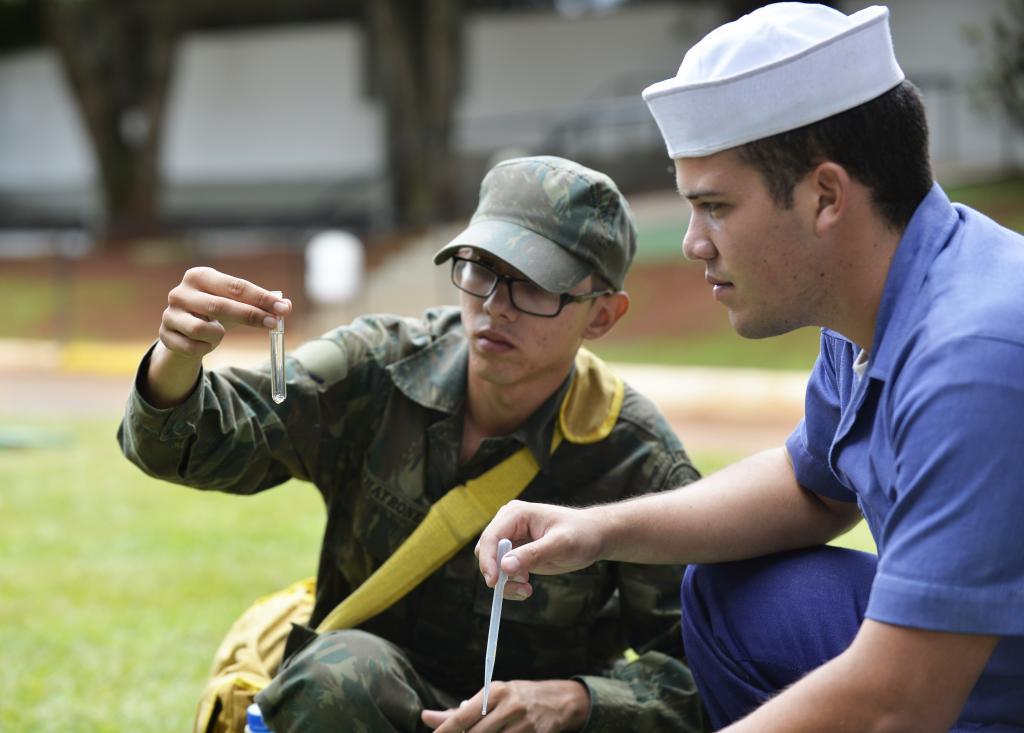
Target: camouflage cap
553 220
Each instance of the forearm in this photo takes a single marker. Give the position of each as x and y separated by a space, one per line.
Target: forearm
892 678
751 508
225 435
169 377
851 706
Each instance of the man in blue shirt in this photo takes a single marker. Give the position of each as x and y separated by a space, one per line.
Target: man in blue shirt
803 153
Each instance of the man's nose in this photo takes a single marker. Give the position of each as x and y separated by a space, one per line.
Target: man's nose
697 245
499 302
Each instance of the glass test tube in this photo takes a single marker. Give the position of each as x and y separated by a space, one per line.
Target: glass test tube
278 387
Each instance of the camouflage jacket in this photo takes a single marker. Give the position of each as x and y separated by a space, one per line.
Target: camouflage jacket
374 419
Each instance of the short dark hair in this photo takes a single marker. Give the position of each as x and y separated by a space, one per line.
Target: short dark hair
882 143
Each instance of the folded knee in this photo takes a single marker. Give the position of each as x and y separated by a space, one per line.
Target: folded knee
340 672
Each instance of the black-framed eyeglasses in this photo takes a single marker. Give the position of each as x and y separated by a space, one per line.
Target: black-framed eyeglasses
480 280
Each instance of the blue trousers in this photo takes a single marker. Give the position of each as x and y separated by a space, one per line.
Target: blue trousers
754 627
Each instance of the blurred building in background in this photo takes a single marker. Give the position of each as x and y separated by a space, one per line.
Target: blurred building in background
281 125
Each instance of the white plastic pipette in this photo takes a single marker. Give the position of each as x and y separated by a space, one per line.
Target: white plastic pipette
492 631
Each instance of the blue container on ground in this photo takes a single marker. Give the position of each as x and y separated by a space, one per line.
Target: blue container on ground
254 720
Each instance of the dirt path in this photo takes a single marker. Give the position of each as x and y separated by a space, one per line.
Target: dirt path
35 394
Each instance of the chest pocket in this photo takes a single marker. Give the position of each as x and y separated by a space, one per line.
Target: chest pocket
383 517
389 502
557 600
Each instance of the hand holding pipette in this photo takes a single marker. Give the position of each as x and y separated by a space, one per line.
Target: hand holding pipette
492 630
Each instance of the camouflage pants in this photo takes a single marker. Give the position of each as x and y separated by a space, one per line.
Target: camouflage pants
352 681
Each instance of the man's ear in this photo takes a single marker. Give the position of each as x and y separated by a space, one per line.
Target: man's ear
829 189
607 311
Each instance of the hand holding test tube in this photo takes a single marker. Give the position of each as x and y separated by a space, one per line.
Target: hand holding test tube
492 631
278 388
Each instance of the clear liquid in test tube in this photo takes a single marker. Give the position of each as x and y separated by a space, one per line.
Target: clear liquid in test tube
278 386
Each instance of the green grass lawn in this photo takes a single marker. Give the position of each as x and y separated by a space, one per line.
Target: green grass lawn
1002 200
35 308
115 588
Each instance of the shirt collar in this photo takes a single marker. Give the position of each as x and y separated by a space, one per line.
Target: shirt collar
927 233
537 431
435 378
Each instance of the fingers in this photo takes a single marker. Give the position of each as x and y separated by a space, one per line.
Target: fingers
458 719
517 590
207 302
544 555
212 295
435 718
185 333
546 540
511 521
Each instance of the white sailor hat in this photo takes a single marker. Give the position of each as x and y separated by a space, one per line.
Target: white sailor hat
782 66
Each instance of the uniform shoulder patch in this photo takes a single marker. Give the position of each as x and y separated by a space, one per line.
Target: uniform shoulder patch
323 359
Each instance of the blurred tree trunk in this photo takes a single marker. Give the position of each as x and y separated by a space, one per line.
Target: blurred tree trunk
1007 50
118 57
415 51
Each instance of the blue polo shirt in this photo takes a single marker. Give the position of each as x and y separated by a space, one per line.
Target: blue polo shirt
930 440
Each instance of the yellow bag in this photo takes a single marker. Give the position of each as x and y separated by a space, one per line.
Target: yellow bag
254 646
249 655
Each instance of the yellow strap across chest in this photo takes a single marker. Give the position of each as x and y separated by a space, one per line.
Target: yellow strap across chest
588 413
453 520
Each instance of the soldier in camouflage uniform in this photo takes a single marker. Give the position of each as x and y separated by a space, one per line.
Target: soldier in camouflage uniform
387 414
